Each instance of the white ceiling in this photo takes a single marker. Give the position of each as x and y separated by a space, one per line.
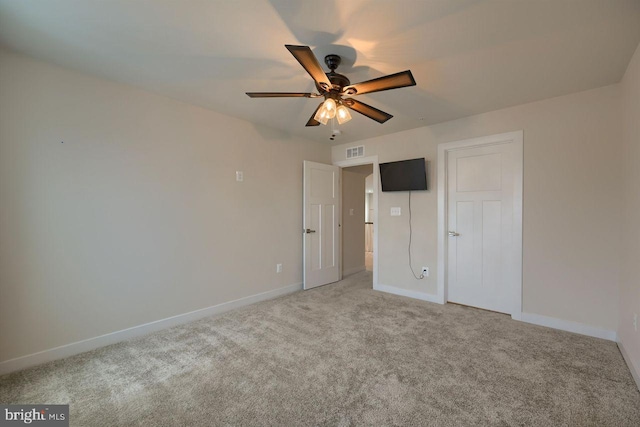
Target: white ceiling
467 56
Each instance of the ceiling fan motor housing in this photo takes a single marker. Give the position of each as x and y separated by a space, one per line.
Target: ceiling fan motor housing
338 81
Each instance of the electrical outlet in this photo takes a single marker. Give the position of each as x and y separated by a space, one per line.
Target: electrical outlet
635 322
278 268
396 211
425 271
239 176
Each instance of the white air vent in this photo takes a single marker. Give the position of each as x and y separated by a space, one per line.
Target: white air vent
353 152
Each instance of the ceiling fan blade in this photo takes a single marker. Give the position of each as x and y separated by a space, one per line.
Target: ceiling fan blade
310 63
278 95
392 81
367 110
312 121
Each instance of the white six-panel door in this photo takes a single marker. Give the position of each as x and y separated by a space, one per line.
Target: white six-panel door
321 222
482 254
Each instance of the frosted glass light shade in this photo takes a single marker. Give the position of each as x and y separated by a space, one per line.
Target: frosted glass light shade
324 119
343 114
330 107
321 115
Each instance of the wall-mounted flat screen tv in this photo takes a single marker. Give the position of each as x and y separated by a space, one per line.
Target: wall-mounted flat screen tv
406 175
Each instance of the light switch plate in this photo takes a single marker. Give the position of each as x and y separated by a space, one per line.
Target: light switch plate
396 211
351 212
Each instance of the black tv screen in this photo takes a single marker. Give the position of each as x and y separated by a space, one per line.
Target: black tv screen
406 175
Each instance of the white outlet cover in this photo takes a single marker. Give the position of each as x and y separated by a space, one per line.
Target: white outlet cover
396 211
351 212
239 176
278 268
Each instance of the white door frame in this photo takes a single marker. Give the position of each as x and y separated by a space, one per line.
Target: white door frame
376 179
515 138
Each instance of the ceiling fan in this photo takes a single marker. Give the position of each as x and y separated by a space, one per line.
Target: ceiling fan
337 90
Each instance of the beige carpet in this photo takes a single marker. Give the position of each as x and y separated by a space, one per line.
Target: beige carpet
342 355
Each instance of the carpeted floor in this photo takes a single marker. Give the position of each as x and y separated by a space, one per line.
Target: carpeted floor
342 355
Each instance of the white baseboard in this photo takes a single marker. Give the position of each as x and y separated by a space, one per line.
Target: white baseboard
406 293
635 373
353 270
569 326
77 347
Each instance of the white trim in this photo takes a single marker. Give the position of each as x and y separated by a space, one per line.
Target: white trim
340 240
137 331
353 270
406 293
376 179
515 138
442 225
569 326
634 373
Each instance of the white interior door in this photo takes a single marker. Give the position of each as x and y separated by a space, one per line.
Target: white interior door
321 222
482 199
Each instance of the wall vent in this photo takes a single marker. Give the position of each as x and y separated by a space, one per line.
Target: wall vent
353 152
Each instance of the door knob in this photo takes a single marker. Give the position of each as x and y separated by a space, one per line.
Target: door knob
453 234
308 230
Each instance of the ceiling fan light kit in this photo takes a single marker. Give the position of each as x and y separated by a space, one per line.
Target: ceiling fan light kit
327 109
337 90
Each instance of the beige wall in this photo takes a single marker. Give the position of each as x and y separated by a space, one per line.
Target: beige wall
572 203
352 225
137 215
630 282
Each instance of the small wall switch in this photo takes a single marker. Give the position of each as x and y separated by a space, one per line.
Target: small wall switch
239 176
278 268
396 211
425 271
351 212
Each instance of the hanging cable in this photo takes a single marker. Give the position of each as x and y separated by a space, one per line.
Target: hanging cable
410 234
334 131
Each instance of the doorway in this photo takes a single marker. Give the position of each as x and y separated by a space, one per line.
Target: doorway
480 222
369 222
357 221
371 165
